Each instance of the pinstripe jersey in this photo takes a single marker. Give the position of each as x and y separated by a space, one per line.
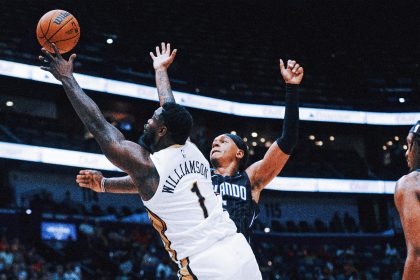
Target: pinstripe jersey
237 200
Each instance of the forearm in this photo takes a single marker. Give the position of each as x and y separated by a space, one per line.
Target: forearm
84 106
119 185
412 267
288 139
163 87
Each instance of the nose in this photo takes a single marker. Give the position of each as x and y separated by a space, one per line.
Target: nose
215 144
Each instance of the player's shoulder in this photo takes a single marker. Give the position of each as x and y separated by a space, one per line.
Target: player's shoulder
410 181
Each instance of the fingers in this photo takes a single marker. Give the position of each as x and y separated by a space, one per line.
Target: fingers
291 64
163 46
83 172
173 54
282 65
295 68
168 48
72 58
84 185
299 71
43 59
56 51
47 54
152 55
157 51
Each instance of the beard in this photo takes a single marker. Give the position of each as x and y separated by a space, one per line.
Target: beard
147 139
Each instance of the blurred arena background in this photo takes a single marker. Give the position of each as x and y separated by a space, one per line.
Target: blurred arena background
330 215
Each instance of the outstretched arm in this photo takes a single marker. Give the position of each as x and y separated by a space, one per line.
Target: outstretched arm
94 180
161 62
122 153
262 172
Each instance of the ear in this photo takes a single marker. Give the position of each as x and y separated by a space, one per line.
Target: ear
162 131
240 154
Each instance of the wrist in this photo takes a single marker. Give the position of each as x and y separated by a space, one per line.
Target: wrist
292 88
103 181
67 78
161 69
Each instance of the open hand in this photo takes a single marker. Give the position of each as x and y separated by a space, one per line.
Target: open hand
90 179
162 60
293 73
56 64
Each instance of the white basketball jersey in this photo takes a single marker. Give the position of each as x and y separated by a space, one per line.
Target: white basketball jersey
185 210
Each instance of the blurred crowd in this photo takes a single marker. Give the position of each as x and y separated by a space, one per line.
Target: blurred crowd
28 261
108 251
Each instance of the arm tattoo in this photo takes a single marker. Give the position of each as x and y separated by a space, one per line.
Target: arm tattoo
120 185
164 87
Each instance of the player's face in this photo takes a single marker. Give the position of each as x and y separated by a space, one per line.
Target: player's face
223 148
409 154
152 126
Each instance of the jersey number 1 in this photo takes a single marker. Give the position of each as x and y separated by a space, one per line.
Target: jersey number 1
201 199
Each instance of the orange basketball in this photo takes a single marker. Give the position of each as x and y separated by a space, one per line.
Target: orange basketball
58 27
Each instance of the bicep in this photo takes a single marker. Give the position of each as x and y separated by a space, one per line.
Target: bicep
262 172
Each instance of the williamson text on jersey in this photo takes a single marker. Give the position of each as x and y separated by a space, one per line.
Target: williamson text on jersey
184 168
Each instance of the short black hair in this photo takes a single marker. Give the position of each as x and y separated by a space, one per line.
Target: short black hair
178 121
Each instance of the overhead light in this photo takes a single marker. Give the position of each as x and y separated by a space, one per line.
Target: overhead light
268 144
311 137
332 138
319 143
267 230
401 100
254 134
405 147
109 41
233 132
384 148
254 144
9 103
270 263
396 138
262 140
28 211
389 143
245 139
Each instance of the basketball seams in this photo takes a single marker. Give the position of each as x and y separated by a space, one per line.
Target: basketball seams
49 22
66 39
61 27
63 40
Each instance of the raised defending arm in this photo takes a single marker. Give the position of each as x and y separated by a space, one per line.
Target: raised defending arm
161 62
263 171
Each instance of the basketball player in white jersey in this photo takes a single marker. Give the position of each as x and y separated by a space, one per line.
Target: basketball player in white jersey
172 178
238 185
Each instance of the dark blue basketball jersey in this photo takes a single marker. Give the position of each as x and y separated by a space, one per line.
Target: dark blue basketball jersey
237 200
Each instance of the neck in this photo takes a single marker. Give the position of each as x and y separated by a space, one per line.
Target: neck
163 144
228 170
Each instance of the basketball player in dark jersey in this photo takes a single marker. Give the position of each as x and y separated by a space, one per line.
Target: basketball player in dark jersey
240 187
407 201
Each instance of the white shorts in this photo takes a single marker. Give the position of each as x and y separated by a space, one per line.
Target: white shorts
229 259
